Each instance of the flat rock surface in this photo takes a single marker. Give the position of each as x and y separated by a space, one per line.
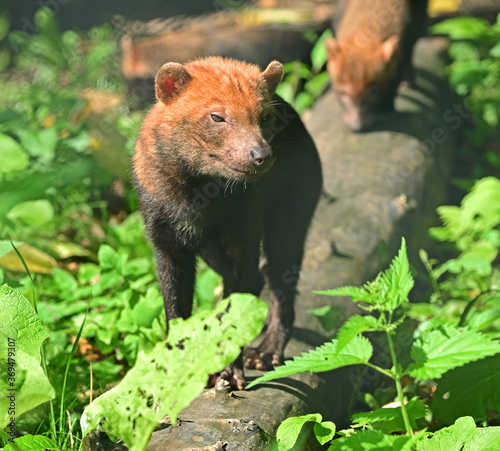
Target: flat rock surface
386 184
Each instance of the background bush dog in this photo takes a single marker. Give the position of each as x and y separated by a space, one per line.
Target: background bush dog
372 54
223 169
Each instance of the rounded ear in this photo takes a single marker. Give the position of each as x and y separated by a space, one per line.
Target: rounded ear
273 75
389 47
170 81
332 47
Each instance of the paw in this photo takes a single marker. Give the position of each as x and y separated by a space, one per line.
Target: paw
231 374
261 359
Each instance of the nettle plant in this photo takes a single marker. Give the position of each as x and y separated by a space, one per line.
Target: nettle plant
473 74
436 349
466 287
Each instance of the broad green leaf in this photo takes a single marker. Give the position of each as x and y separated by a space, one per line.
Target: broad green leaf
289 430
469 390
207 282
324 358
484 439
440 350
389 420
167 379
397 280
319 55
32 212
41 144
29 185
12 156
20 327
388 290
32 443
36 260
371 440
354 326
148 308
462 436
463 28
478 214
324 431
481 320
463 50
108 257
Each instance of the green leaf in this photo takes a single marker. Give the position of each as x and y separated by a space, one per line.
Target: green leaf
388 290
440 350
21 327
354 326
468 390
108 257
324 358
41 144
324 431
148 308
319 56
464 51
463 28
397 280
167 379
389 420
478 214
371 440
28 186
462 436
32 443
329 316
484 439
206 283
32 213
12 156
289 430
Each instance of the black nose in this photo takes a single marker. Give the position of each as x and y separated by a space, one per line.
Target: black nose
258 156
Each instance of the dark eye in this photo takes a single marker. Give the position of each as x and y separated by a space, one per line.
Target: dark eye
265 117
217 118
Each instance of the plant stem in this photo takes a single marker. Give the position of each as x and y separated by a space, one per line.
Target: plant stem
380 370
399 387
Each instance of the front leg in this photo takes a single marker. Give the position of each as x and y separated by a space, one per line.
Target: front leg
176 264
176 272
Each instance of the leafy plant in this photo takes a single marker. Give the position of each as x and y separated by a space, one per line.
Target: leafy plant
168 378
472 280
302 84
473 74
23 381
61 154
436 350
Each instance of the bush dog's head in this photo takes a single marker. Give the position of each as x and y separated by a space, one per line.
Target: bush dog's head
360 77
218 111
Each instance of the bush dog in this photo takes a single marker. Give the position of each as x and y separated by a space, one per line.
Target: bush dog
223 169
372 54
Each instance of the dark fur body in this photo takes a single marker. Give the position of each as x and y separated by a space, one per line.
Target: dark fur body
372 54
199 194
